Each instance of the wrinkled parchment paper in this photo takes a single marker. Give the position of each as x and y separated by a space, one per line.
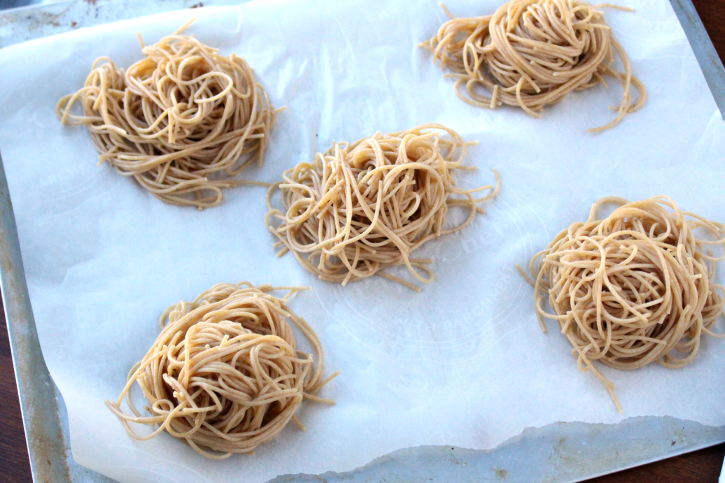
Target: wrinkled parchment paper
465 362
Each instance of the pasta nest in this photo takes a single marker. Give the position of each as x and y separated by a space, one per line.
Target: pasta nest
182 121
362 207
633 288
225 374
533 53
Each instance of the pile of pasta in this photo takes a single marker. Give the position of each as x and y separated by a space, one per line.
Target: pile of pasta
633 288
360 208
533 53
225 373
183 121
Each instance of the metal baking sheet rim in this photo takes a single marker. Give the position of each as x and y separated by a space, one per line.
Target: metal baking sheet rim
560 452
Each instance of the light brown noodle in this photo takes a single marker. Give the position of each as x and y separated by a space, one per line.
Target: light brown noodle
634 288
225 374
533 53
362 207
181 121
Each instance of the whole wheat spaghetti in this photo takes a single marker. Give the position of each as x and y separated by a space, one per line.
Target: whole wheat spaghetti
533 53
633 288
182 121
225 374
362 207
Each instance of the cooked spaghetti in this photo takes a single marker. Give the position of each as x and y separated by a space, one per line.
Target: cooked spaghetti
533 53
183 121
362 207
633 288
225 374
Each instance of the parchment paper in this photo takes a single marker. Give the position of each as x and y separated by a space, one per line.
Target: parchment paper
465 362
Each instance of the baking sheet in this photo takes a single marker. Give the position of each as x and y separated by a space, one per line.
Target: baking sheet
472 375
